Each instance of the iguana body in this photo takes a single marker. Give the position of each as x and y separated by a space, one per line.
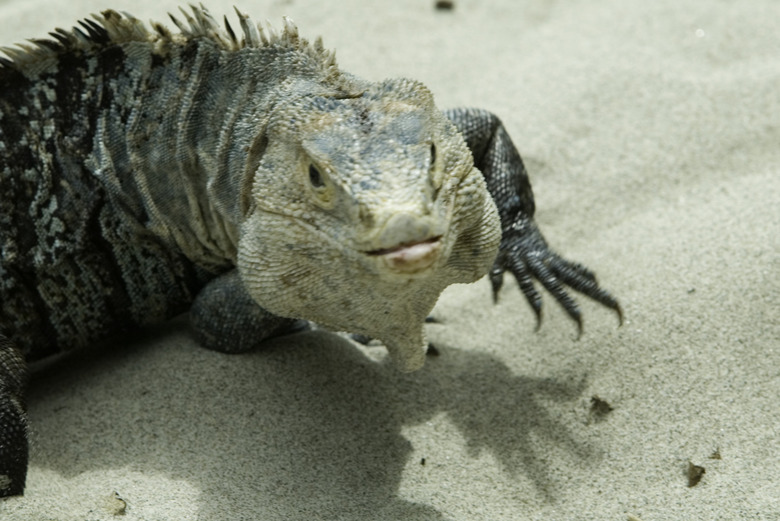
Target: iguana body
144 173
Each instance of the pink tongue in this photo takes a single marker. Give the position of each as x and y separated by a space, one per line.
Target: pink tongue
411 253
411 258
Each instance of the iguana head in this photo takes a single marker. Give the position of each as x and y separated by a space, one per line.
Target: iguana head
363 208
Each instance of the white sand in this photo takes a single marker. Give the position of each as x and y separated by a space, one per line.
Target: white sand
652 133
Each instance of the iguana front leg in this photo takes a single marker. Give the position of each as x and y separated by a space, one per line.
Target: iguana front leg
523 250
225 318
13 420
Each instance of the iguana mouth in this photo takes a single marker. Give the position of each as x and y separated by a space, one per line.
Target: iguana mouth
411 257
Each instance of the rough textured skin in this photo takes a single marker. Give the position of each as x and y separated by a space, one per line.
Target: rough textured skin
247 178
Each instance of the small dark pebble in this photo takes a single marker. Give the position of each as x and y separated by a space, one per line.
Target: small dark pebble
599 408
116 505
432 351
695 474
422 462
445 5
716 454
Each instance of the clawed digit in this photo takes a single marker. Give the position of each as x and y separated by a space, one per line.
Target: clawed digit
528 257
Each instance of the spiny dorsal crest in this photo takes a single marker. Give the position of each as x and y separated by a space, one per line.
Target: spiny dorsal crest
112 27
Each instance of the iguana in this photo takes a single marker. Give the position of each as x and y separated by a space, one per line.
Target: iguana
246 178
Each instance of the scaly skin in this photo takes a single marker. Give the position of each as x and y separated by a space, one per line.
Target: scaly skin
248 179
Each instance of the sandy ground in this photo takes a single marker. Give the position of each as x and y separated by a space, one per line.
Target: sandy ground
652 135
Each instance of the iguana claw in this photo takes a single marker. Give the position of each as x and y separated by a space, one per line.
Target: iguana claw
525 254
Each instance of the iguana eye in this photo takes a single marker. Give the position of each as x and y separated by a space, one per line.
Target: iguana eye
315 178
322 188
433 154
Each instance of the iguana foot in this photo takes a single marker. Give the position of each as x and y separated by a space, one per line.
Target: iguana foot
525 254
